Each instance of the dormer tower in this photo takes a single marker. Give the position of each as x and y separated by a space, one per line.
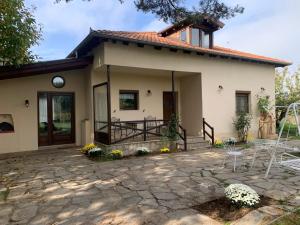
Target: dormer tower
199 34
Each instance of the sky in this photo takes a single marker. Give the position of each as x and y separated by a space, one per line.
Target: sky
267 27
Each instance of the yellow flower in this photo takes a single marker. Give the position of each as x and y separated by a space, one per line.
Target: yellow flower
250 138
165 150
116 154
88 147
218 142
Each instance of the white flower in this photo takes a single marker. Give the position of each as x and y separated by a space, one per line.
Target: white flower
242 194
95 151
143 150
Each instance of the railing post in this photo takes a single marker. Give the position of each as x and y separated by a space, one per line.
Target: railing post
203 125
213 136
144 130
185 141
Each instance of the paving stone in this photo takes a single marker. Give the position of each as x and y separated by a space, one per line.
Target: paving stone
24 214
165 196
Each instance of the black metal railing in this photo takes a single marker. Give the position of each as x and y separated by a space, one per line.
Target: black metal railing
136 130
211 135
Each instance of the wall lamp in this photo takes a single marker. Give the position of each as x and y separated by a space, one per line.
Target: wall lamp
221 87
262 89
149 92
27 103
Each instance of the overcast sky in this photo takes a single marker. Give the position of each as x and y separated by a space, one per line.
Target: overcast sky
267 27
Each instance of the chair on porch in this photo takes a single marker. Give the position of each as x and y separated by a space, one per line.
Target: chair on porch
151 123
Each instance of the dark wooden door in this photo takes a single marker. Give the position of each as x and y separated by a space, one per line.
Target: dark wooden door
168 104
56 118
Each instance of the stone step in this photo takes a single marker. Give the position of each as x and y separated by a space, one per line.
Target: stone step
194 143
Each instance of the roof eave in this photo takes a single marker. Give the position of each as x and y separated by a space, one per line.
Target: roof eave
233 56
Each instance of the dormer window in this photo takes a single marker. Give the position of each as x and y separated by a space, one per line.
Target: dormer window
200 38
195 39
183 35
205 40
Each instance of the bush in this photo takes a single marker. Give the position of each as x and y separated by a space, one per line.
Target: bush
95 152
116 154
165 150
242 195
242 125
87 148
142 151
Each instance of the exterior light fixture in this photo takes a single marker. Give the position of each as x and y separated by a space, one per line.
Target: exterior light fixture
27 103
262 89
149 92
221 87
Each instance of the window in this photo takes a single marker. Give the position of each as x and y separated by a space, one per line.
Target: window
129 100
183 35
205 40
242 102
58 82
6 123
195 37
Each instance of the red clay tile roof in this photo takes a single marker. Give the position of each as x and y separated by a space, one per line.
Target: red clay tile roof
153 38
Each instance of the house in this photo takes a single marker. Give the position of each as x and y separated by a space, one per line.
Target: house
113 80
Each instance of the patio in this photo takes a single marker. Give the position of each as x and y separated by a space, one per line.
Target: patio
64 187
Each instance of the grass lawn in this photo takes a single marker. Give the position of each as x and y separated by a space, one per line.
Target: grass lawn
291 219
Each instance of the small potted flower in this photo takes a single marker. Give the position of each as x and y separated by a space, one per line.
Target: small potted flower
142 151
85 149
219 143
95 152
242 195
116 154
165 150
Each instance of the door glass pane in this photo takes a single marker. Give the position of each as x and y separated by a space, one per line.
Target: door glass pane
100 107
43 115
62 114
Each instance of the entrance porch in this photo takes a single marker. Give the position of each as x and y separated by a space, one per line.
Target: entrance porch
136 104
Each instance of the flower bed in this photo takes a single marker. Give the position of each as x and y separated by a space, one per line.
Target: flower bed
224 211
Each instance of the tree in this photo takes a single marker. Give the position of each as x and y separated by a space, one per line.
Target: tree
174 11
287 91
19 31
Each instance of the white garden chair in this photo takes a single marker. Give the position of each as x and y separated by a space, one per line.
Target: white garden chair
232 152
287 159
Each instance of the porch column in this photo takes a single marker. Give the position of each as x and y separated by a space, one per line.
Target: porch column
173 94
108 104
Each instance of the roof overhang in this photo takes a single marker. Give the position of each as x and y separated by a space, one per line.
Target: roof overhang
96 37
10 72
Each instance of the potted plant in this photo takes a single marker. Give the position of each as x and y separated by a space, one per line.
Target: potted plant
242 125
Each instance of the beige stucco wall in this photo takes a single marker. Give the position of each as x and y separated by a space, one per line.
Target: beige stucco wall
13 94
191 110
148 104
233 75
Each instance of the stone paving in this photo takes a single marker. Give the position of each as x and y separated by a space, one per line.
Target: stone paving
64 187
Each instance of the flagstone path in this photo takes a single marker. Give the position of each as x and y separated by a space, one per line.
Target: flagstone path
64 187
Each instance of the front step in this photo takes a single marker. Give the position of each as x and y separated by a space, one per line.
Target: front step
193 143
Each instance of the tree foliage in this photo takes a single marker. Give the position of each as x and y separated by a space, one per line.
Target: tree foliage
19 31
174 11
287 91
